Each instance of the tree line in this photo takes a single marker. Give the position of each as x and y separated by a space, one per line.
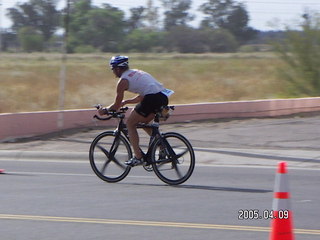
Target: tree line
37 26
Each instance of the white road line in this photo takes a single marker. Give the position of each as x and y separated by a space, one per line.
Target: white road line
67 174
197 164
259 167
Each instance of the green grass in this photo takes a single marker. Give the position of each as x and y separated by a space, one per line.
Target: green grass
30 82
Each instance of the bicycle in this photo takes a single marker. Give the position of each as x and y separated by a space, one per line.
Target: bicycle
170 155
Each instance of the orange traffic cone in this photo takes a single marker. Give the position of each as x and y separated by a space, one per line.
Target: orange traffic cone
282 221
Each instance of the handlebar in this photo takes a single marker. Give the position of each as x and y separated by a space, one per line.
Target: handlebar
111 113
102 119
122 111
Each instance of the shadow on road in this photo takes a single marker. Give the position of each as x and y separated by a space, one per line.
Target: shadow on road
261 156
228 189
202 187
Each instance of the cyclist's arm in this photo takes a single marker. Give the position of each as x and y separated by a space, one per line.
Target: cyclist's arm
122 86
136 99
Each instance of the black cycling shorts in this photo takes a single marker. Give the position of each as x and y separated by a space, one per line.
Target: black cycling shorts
151 103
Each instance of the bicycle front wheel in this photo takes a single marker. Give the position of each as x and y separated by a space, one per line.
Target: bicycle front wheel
173 158
107 155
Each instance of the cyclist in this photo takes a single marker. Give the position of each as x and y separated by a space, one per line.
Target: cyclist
151 97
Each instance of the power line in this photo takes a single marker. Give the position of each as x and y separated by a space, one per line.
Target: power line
284 3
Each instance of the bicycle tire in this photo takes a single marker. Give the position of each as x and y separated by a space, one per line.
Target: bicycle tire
110 167
173 158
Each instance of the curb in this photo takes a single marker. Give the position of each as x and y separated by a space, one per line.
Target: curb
40 155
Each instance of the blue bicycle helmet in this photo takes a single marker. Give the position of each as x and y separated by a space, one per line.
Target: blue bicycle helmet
119 61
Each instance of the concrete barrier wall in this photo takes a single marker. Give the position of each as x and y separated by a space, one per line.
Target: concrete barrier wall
245 109
17 125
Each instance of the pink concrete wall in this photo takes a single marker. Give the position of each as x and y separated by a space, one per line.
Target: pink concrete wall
15 125
244 109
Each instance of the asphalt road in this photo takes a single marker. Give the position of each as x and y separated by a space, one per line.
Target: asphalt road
48 190
64 200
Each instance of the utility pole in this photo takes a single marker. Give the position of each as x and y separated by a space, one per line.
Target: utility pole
63 69
0 26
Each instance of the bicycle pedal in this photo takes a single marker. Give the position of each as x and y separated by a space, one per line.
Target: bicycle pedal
134 162
148 168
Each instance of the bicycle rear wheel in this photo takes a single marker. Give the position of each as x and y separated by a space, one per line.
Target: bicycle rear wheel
173 158
107 155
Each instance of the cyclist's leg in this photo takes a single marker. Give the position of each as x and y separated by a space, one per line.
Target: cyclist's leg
132 122
148 130
143 113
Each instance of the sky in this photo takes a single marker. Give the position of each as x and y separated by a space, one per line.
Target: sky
264 15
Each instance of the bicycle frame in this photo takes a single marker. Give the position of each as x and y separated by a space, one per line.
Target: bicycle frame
122 129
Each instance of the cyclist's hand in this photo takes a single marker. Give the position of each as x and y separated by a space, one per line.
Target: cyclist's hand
123 103
102 111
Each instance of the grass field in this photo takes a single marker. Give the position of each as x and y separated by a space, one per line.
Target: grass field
30 82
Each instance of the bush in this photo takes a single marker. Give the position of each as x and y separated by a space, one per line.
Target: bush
300 51
189 40
30 40
142 40
186 40
85 49
220 40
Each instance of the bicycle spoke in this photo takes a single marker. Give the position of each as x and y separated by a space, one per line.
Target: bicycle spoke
103 150
114 147
118 163
175 167
109 157
103 169
161 162
182 153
